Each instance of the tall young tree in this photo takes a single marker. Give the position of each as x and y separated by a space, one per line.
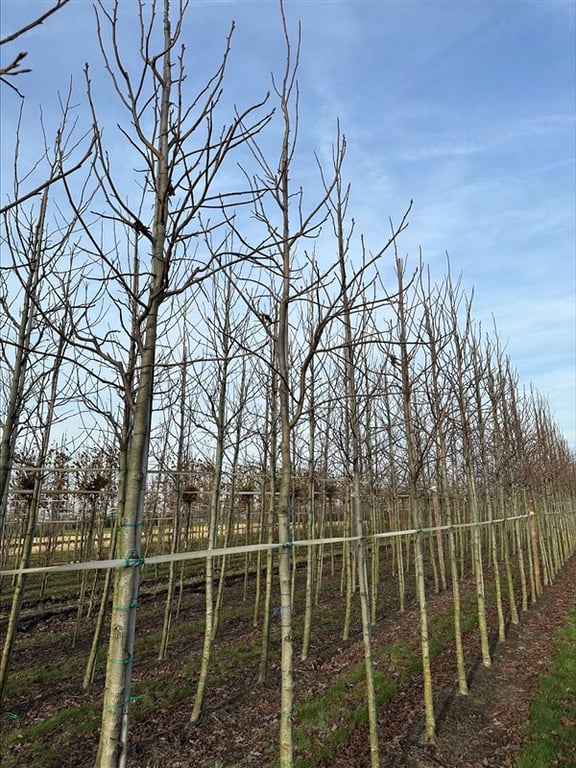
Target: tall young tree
225 335
463 394
407 339
46 418
38 297
436 338
354 469
34 242
278 208
497 393
182 447
174 135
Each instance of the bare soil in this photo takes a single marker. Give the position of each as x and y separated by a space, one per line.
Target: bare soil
487 728
240 720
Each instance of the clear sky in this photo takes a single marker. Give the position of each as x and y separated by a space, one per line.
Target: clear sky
467 107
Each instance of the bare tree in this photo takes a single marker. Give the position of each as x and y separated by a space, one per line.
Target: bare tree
225 334
35 243
338 210
437 340
175 138
463 393
47 414
408 338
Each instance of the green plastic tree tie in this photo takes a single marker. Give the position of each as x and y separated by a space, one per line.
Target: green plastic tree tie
128 607
130 562
114 707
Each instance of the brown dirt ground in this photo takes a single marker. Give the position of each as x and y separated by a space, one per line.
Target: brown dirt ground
487 728
240 721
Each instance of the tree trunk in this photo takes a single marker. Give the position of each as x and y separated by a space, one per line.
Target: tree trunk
32 515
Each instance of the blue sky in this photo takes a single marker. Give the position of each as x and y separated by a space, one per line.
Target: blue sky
468 108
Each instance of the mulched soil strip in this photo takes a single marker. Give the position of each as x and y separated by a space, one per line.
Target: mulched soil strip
240 725
485 729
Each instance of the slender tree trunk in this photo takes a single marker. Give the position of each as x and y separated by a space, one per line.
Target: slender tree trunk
271 514
221 420
284 508
467 450
177 526
113 745
354 471
22 352
230 512
415 507
90 669
311 522
32 515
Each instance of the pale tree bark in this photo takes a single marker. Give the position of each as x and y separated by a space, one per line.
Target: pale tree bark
516 469
535 526
281 354
351 298
478 365
270 454
314 482
354 470
226 333
122 429
463 396
35 252
239 427
280 241
395 517
311 512
497 393
405 361
441 501
372 493
19 368
177 524
93 478
46 422
34 343
326 494
433 310
182 158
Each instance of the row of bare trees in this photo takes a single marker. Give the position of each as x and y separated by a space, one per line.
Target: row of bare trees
207 316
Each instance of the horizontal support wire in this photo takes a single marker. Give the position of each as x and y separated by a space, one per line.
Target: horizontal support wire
175 557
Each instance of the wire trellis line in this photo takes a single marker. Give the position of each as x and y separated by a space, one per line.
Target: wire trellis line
132 559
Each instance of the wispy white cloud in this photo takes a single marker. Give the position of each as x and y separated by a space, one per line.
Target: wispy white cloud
488 138
468 108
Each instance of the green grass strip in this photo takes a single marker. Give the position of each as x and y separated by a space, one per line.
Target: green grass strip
552 728
343 701
47 740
